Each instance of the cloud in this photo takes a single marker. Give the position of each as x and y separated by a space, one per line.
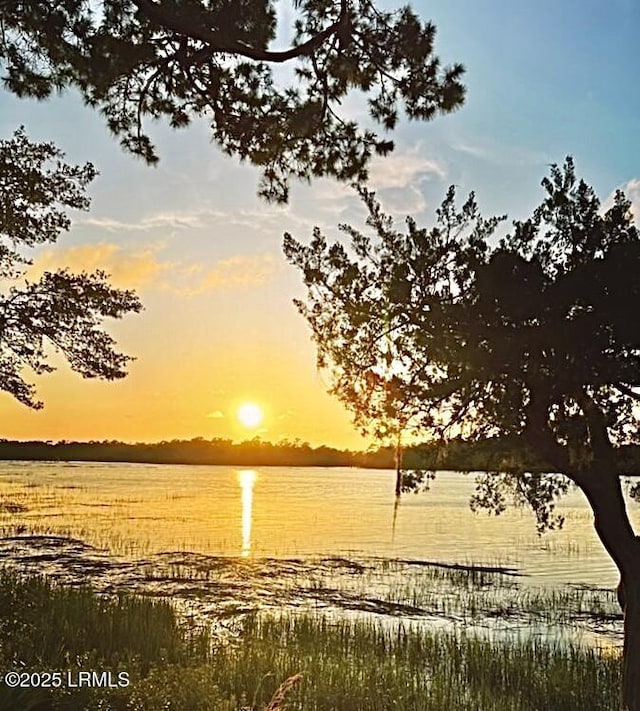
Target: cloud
398 180
160 220
501 154
236 272
632 190
286 415
475 151
215 415
143 268
130 268
267 222
403 201
404 169
195 219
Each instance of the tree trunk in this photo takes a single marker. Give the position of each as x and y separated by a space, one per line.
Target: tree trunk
631 653
613 527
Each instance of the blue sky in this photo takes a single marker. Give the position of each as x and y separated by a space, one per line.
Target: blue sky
545 79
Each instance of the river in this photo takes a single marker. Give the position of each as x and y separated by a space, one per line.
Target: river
278 512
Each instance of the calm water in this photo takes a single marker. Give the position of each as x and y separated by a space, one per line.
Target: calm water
136 510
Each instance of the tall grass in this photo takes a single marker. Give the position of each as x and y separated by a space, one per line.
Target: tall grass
42 622
346 663
359 665
53 628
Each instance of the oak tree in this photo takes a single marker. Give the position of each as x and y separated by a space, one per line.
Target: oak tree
533 336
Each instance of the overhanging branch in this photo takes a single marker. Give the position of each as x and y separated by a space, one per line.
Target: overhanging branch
170 18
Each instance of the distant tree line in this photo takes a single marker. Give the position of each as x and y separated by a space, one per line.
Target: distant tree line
493 454
199 450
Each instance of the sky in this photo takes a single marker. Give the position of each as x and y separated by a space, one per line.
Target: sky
544 80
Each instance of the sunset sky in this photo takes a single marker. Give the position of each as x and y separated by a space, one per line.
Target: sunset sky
545 79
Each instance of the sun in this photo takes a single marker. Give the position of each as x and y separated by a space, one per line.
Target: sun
249 414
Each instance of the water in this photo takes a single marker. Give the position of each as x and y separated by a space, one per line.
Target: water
136 510
223 541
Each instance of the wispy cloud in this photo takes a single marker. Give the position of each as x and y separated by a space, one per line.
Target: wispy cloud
469 149
497 153
404 201
152 222
404 168
286 415
398 179
215 415
131 268
236 272
144 267
632 190
266 221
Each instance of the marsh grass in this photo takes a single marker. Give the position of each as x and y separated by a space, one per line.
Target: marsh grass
44 626
504 599
328 662
357 665
42 622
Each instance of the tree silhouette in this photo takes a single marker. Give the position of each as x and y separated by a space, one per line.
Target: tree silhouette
533 336
178 59
355 312
61 309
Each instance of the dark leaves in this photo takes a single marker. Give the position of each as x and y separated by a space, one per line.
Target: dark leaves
377 311
34 182
135 59
535 338
61 309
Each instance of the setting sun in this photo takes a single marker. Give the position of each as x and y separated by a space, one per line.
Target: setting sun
250 414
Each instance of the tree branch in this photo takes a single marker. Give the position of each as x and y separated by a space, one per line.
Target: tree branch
175 21
598 435
626 390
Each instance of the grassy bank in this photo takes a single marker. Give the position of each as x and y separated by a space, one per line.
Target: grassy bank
346 663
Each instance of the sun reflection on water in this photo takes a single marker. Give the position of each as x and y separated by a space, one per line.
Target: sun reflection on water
246 479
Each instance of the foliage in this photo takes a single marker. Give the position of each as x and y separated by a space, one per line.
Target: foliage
61 309
358 309
505 454
180 59
194 451
532 335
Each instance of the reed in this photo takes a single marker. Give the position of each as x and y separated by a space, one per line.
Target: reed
359 665
327 661
48 624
